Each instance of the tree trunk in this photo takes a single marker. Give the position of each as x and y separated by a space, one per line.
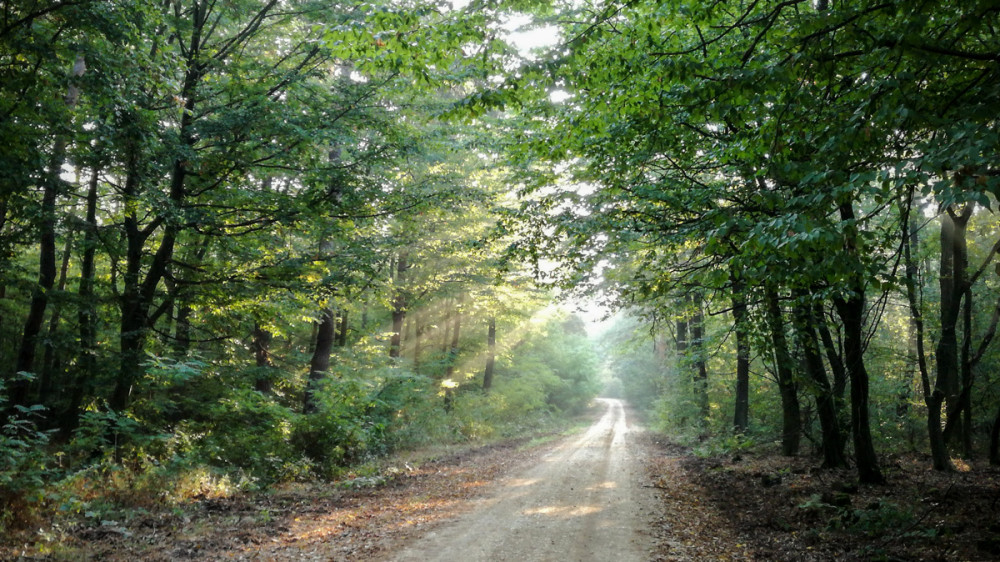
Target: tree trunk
344 327
701 368
682 338
831 441
446 329
832 356
851 311
491 353
87 313
791 428
456 330
933 398
741 417
965 400
182 325
49 359
47 249
418 339
320 363
138 297
262 358
398 306
953 285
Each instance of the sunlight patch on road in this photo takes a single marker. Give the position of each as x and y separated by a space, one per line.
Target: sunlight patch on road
521 482
609 485
564 510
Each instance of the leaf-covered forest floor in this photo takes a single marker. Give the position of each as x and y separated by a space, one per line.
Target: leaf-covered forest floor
745 506
766 507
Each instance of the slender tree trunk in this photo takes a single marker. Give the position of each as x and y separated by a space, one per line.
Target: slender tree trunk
953 284
701 368
344 328
851 311
3 297
833 357
49 359
831 440
262 358
446 329
398 306
965 400
791 428
933 398
456 331
741 417
182 325
491 353
320 363
682 338
87 313
51 189
418 339
6 260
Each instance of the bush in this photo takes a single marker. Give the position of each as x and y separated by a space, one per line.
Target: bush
25 462
354 418
249 432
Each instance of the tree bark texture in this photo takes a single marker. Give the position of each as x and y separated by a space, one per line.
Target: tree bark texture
320 363
344 328
851 310
954 286
791 425
741 415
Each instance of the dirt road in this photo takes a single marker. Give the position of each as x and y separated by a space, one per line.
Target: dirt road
583 501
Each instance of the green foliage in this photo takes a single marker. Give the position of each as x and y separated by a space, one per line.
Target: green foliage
248 432
25 463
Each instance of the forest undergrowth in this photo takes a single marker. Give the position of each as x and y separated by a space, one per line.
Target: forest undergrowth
195 514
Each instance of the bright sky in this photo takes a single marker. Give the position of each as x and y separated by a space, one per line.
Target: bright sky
525 40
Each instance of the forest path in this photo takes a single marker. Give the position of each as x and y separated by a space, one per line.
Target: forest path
584 500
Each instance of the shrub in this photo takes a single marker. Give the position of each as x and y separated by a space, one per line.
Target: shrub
25 463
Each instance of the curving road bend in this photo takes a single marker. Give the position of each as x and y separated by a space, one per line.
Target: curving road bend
583 501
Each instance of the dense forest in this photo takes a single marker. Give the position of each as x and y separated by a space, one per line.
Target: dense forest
263 241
